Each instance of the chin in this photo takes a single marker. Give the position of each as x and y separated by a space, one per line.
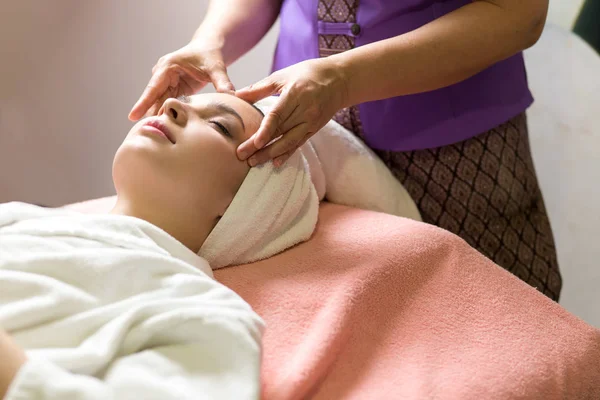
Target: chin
137 171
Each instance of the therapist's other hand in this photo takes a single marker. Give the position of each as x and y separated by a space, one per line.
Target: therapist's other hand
183 72
311 92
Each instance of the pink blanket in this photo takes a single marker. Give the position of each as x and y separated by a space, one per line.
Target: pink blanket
377 307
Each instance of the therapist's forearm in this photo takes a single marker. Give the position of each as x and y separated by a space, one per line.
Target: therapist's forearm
443 52
235 26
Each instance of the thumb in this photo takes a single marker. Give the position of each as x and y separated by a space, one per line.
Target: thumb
258 91
221 81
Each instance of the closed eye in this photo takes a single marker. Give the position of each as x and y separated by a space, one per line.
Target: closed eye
222 128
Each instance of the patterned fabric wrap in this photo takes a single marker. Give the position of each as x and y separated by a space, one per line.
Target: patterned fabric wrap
484 189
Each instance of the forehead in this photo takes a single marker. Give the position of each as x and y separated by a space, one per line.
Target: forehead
206 99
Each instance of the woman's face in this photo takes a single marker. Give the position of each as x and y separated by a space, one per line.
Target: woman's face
184 159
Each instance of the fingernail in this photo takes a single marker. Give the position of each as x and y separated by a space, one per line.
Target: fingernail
252 161
259 144
283 160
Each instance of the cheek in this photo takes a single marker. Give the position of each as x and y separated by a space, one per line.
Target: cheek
140 168
212 164
134 129
206 151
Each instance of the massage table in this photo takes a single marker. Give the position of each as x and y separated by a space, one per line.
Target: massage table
379 307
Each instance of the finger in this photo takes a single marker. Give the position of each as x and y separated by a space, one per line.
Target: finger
221 80
189 85
158 85
164 60
258 91
269 128
279 161
296 117
287 144
246 149
152 111
272 125
159 103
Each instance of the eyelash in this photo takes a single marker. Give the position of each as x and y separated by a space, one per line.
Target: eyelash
222 128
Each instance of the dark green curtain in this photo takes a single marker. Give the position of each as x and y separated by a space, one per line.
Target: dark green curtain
587 24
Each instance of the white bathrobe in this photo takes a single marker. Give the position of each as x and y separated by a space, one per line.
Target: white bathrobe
112 307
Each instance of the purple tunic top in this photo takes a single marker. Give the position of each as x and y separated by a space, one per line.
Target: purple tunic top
426 120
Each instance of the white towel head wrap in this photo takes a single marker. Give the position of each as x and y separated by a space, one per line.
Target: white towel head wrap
274 209
277 208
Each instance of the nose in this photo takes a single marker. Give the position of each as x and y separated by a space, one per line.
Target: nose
176 111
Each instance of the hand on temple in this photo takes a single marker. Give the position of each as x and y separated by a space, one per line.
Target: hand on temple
311 93
183 72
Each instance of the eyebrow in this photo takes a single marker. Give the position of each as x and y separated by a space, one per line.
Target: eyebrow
228 110
222 107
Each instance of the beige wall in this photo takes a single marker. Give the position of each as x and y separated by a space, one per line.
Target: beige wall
69 74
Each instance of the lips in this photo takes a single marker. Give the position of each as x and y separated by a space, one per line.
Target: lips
162 127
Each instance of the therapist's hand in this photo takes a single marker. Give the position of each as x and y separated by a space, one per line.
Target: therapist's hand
183 72
311 92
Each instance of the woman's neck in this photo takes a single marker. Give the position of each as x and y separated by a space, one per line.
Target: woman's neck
191 230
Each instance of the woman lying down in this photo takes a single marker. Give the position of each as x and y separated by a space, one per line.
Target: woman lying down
124 305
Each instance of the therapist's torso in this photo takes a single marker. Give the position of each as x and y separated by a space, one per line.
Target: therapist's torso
316 28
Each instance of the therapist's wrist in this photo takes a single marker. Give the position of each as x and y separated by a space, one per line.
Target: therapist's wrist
216 42
210 35
208 40
338 71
